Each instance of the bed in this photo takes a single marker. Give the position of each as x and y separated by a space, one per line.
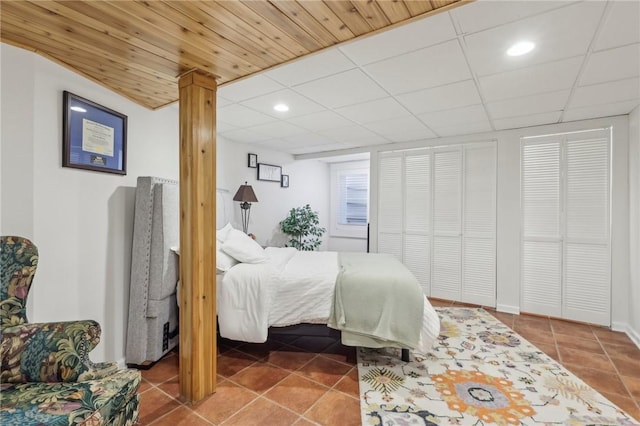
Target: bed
279 287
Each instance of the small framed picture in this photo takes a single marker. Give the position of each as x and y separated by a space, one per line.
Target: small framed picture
269 172
284 182
252 160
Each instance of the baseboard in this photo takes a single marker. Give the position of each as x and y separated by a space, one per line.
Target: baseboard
515 310
626 328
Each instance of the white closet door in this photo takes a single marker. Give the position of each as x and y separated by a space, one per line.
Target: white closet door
479 225
587 270
541 266
390 204
446 272
417 208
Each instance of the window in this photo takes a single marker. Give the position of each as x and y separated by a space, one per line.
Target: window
349 199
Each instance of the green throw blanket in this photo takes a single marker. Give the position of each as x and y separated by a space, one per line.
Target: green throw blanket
378 302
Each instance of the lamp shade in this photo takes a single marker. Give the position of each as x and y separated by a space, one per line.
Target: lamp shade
245 194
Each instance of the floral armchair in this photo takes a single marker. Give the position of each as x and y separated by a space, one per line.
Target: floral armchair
46 376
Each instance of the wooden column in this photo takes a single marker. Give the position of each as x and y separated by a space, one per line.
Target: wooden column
198 347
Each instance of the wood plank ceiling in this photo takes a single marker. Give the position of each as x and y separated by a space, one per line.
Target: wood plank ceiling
139 48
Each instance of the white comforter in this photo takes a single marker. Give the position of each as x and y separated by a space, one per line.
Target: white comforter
293 287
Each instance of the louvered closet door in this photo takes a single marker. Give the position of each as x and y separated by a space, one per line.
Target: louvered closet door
417 207
390 204
541 265
587 270
446 271
479 225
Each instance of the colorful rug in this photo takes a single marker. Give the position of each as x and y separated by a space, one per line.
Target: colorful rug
479 372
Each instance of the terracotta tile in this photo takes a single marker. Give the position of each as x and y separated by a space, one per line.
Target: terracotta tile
627 367
263 412
575 342
181 416
171 387
233 361
628 351
163 370
260 377
534 335
313 344
633 386
335 408
507 319
585 359
342 353
440 303
625 403
572 329
541 323
289 358
324 371
602 381
304 422
606 335
349 384
144 385
260 350
228 400
296 393
154 404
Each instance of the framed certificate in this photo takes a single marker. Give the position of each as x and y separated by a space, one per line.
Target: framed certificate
269 172
252 160
94 137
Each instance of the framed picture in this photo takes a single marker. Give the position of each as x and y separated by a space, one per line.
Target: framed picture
284 182
269 172
94 137
252 161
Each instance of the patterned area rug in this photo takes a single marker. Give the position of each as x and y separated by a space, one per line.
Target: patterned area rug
480 372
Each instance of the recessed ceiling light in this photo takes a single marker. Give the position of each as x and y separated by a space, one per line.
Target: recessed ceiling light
521 48
78 109
281 107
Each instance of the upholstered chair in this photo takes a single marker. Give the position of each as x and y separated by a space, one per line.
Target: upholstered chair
47 377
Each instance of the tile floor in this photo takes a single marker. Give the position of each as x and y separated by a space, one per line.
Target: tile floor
313 380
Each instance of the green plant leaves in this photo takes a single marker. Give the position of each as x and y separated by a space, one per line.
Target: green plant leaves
303 225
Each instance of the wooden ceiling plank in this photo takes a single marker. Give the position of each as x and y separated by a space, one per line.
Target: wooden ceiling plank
246 36
304 19
372 13
221 55
349 14
48 38
271 14
395 10
418 7
328 19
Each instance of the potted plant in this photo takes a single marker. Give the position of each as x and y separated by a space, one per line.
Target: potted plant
303 226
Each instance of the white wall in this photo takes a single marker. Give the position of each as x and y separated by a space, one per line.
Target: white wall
308 184
634 225
508 208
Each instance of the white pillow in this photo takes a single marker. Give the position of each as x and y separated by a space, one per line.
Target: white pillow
224 262
223 233
243 248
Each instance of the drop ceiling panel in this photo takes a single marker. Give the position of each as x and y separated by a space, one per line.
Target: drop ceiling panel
450 117
535 104
312 67
449 96
605 110
401 40
428 67
351 134
278 129
557 35
549 77
309 139
401 129
617 91
320 148
347 88
241 116
222 127
298 105
527 120
249 88
245 136
380 109
481 15
463 129
614 64
621 27
321 121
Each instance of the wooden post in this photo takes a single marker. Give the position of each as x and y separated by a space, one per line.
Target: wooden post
198 347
